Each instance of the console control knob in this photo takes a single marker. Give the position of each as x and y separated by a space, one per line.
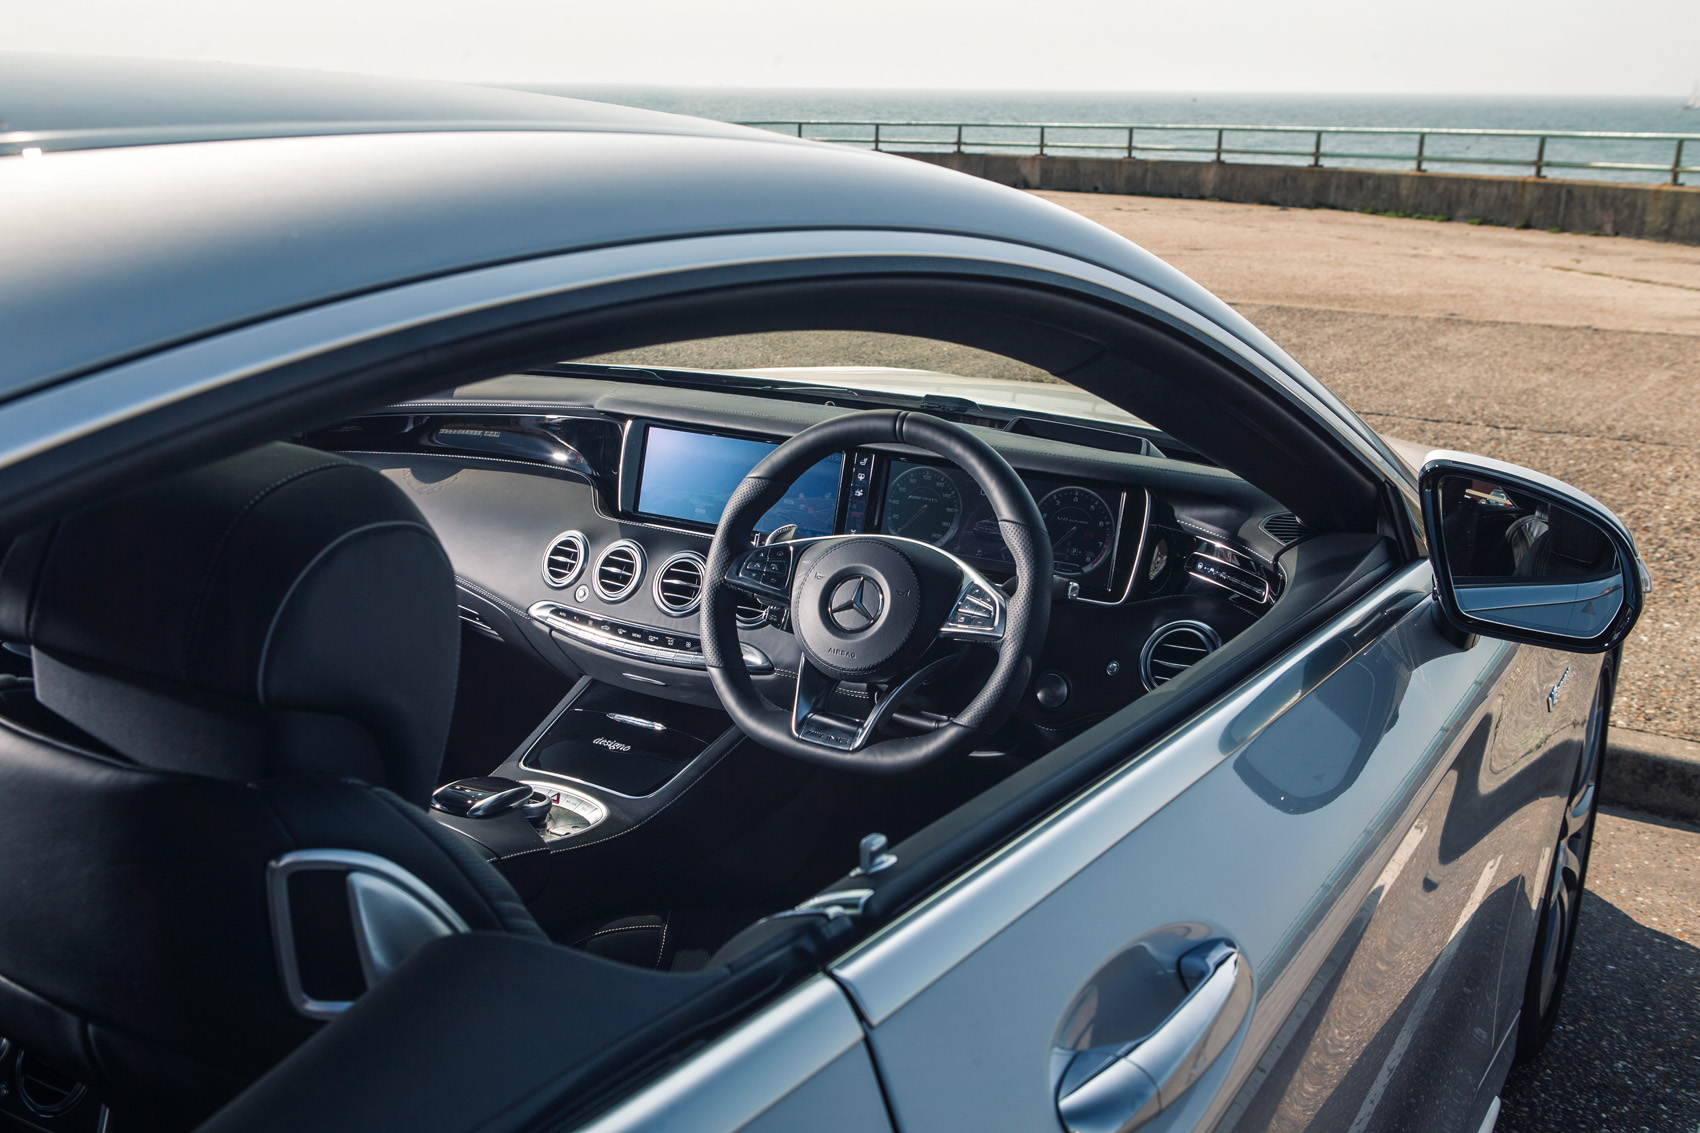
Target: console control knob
482 797
1051 690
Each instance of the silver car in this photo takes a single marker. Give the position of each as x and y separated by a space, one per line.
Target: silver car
524 614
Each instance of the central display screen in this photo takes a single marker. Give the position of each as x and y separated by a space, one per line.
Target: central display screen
690 476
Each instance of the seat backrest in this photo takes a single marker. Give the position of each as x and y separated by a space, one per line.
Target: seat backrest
138 951
266 651
284 611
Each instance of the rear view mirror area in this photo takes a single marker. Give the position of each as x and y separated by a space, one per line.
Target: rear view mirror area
1523 557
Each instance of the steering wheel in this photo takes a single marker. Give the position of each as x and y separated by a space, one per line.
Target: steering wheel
868 608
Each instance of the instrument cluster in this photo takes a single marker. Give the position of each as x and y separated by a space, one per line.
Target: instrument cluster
942 505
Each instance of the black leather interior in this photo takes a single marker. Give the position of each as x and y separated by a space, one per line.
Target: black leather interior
287 608
266 648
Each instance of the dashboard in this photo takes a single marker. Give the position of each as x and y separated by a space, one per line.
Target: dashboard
686 477
578 515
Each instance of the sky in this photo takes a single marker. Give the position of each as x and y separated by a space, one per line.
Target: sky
1550 47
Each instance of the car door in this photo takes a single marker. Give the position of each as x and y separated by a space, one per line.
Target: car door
800 1063
1296 829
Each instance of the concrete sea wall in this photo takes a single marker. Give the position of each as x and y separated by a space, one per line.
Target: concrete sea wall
1648 212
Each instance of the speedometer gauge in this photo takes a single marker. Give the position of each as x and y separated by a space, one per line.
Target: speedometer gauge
922 503
1082 528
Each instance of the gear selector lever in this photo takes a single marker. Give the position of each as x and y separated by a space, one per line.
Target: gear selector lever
482 797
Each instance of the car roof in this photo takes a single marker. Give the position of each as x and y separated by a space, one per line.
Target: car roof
117 251
59 102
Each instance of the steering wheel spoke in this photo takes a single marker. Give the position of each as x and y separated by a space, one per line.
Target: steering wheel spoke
812 720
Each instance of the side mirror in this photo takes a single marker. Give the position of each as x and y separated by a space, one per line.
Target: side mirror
1523 557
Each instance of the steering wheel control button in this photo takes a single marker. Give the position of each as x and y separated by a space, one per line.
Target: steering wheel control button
857 604
768 568
978 612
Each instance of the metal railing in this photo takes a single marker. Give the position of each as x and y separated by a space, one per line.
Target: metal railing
1435 147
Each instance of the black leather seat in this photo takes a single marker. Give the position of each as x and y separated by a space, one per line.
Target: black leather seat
264 652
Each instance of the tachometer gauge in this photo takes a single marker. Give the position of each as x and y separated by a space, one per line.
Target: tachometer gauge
922 503
1081 527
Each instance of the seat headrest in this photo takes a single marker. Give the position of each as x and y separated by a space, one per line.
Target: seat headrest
285 611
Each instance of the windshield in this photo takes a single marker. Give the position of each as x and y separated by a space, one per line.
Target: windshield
905 365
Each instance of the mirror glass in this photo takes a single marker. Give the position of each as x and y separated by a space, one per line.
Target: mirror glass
1527 563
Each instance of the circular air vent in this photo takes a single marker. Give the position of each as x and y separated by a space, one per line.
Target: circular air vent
564 558
1175 648
619 570
678 584
46 1091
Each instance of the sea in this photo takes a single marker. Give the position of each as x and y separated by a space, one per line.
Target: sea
835 112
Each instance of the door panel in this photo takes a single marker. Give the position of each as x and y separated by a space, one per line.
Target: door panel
843 1097
800 1063
1302 820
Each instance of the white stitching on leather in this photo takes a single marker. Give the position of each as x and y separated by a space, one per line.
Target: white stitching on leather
490 596
1210 531
622 928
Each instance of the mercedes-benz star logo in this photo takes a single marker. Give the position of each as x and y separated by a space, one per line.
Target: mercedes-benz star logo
856 604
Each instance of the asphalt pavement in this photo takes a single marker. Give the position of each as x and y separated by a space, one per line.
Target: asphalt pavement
1626 1054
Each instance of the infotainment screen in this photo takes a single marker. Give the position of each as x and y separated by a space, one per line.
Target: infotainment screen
690 476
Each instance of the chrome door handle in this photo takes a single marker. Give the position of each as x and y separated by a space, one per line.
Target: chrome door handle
1115 1089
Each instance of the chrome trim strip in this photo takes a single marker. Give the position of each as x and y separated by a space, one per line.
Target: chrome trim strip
350 863
1138 553
906 957
742 1074
548 613
39 422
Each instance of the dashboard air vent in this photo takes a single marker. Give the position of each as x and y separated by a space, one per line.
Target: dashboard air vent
46 1091
1175 648
1285 527
678 584
619 570
564 558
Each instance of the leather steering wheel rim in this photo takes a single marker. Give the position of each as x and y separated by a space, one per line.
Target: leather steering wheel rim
1025 616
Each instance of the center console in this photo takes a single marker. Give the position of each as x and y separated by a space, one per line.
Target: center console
604 760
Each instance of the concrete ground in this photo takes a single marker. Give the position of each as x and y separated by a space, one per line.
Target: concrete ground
1576 355
1579 356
